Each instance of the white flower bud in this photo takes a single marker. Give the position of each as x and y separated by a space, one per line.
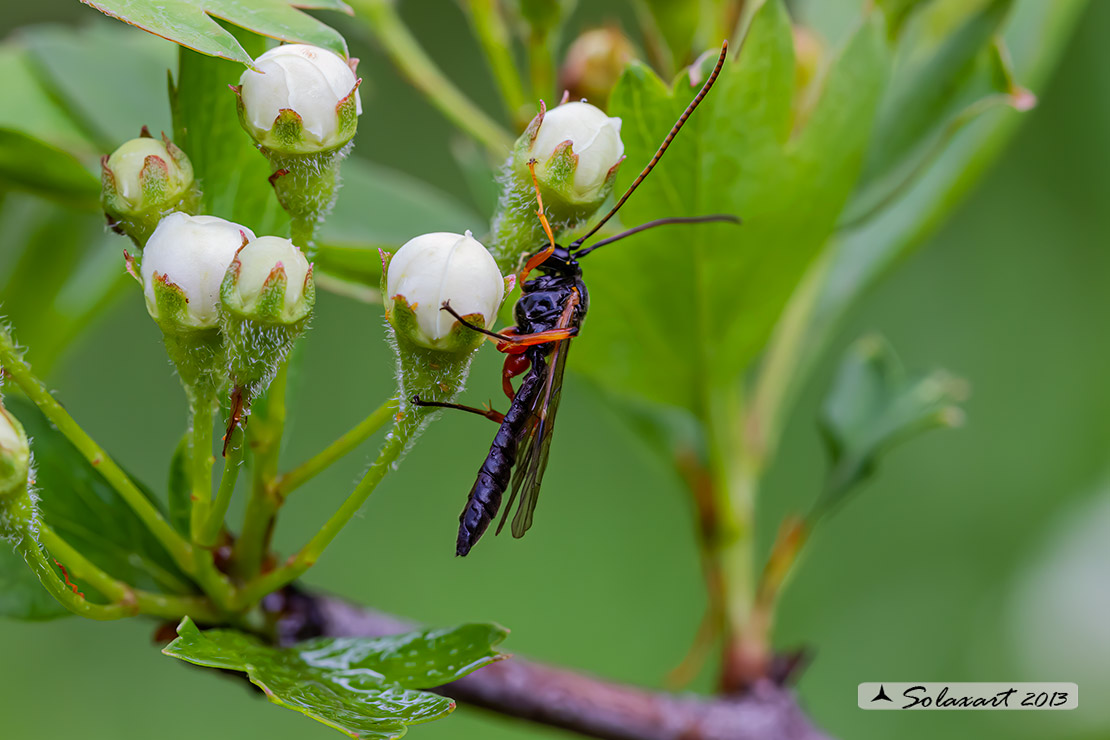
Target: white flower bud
142 180
184 264
314 83
263 265
436 268
127 165
15 454
592 137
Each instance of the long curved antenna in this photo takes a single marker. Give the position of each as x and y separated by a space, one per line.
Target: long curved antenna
662 147
659 222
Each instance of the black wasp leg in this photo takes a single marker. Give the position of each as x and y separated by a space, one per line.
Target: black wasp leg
499 337
495 416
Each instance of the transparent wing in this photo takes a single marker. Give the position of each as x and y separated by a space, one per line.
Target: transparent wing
529 474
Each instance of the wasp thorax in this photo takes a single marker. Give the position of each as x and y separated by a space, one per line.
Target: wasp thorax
302 99
184 264
577 149
438 269
143 179
15 455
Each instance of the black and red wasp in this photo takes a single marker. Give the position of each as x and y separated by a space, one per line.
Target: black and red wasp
549 313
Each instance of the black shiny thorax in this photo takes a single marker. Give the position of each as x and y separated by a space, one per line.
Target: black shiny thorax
544 298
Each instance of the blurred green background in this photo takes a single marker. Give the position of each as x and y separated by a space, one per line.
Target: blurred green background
981 554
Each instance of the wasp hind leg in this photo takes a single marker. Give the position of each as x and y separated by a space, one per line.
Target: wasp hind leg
495 416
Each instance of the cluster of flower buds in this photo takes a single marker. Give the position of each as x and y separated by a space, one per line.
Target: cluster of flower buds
143 180
577 150
426 274
229 304
301 106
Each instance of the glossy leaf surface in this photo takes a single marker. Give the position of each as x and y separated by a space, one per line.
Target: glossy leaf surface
364 687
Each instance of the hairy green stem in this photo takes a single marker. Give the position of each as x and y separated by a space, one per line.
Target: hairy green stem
264 431
413 62
20 372
203 410
496 41
310 468
404 429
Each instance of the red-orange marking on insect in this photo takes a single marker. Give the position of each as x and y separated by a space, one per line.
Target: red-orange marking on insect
65 576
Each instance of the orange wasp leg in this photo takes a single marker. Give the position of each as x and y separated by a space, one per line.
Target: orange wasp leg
507 340
540 257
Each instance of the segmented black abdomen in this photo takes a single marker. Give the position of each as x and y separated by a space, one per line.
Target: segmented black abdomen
494 475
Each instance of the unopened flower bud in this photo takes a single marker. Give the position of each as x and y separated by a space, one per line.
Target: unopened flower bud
143 180
301 99
437 269
594 63
577 149
183 266
267 294
15 455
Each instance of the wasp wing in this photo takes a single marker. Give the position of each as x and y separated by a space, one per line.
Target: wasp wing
532 462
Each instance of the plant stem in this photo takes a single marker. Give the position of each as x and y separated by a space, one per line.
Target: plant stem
310 468
414 63
493 34
28 548
265 430
122 594
233 462
20 372
541 63
203 409
395 444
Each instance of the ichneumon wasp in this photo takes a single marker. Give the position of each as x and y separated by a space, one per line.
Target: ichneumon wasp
549 313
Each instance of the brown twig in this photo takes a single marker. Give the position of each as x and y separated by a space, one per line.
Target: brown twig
573 701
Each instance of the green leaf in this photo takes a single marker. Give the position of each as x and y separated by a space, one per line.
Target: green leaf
1036 35
232 173
41 147
21 594
107 77
679 313
380 208
87 512
874 405
191 22
365 687
944 77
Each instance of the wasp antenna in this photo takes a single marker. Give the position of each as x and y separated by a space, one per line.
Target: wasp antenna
662 147
715 218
